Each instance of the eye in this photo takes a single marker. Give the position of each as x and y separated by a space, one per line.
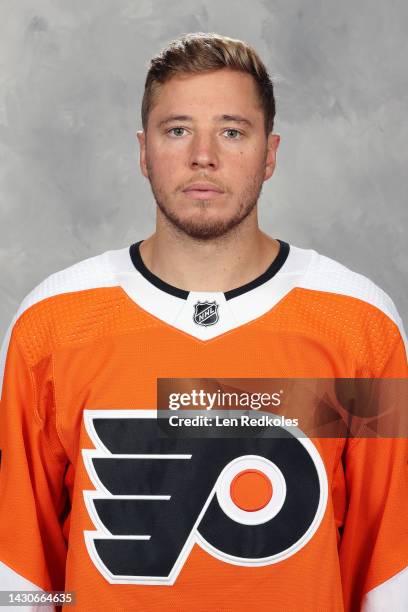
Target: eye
172 130
236 134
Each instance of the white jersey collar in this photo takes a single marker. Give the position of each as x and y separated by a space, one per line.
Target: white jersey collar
205 314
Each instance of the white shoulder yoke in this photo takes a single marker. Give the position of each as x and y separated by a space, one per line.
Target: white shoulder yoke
325 274
86 274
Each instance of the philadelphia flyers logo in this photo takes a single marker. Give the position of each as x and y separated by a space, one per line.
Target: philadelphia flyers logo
248 501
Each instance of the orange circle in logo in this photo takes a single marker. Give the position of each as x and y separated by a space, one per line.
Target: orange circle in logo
251 490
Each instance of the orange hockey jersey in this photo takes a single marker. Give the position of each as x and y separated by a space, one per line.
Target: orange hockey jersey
95 500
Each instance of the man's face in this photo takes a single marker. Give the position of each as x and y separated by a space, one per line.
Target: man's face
207 128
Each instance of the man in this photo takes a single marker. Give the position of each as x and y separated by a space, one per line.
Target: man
98 500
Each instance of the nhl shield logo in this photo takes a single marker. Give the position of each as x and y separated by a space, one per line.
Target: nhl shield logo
205 313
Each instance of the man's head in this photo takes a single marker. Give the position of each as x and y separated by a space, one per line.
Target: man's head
207 115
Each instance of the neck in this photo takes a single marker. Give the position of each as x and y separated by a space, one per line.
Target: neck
220 264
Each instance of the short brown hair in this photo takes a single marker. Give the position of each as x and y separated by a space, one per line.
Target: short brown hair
197 52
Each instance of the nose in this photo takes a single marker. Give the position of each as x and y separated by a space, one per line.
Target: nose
203 152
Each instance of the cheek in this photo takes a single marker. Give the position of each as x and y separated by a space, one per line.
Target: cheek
161 164
251 156
248 162
168 160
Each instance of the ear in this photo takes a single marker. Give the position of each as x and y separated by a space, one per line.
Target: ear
273 143
141 136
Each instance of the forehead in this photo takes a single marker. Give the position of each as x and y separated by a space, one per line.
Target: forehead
224 90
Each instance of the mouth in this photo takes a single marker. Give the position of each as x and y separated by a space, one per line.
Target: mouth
202 194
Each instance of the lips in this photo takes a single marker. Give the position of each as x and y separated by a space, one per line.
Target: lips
203 187
202 191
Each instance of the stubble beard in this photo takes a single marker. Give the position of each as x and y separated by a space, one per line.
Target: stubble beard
199 227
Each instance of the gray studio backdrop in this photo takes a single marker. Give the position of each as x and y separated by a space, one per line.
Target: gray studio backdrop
71 82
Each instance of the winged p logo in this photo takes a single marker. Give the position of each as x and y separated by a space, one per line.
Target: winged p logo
155 497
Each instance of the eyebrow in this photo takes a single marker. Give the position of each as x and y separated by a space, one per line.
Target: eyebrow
217 118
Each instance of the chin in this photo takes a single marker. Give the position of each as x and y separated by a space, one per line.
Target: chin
207 230
203 219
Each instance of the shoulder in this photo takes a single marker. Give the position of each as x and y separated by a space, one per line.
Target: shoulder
66 302
96 272
328 275
86 274
347 308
